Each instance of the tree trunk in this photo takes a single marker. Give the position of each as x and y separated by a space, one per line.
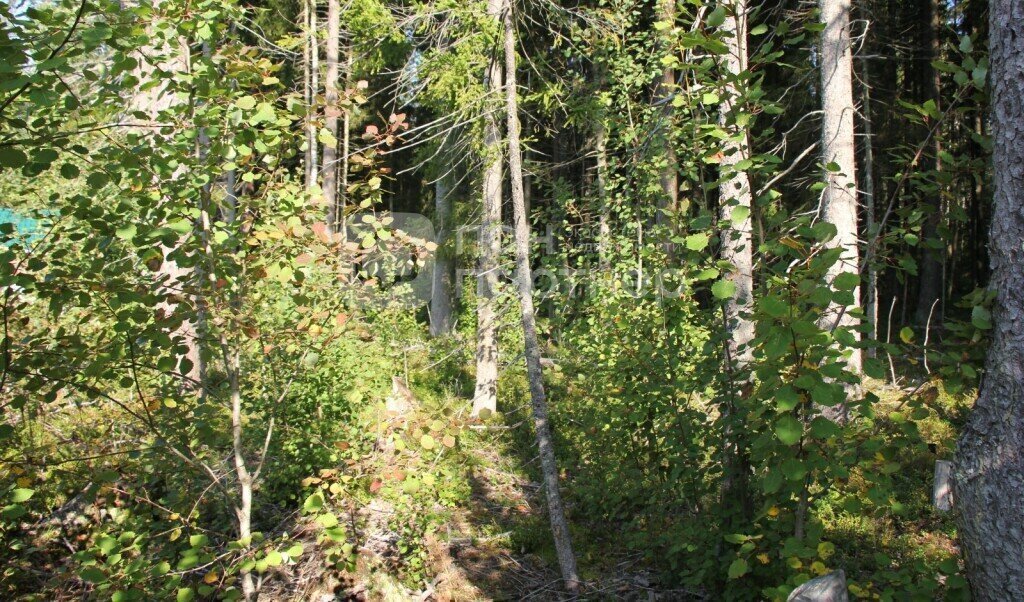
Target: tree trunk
669 177
314 87
735 194
930 281
174 278
331 113
441 314
989 476
735 189
601 180
868 175
486 394
839 199
524 282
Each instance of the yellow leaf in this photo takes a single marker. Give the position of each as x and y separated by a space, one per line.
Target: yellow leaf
763 558
773 511
211 577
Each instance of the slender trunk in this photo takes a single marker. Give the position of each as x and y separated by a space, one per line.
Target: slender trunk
243 511
839 199
345 144
868 175
314 88
441 314
989 479
601 181
486 394
930 280
331 113
669 177
524 281
307 95
604 231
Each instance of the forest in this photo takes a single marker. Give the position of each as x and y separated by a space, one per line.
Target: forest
430 300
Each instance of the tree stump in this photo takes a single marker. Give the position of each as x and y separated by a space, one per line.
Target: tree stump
942 488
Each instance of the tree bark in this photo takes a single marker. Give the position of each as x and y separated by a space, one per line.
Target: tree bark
669 177
314 86
839 199
930 281
486 394
868 175
441 314
735 190
737 242
331 113
989 474
524 282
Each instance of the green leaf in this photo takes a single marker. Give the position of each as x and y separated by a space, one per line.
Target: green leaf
185 594
313 503
739 215
13 512
92 574
707 274
773 481
907 334
12 157
69 171
246 103
847 281
788 429
738 568
697 242
21 495
794 469
981 317
759 30
874 368
723 289
775 307
716 17
427 442
786 398
126 232
264 113
823 428
274 558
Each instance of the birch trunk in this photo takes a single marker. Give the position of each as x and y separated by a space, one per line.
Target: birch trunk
314 87
331 113
989 475
524 282
737 241
485 398
839 199
735 190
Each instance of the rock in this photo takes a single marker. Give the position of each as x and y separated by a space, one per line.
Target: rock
827 588
401 399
